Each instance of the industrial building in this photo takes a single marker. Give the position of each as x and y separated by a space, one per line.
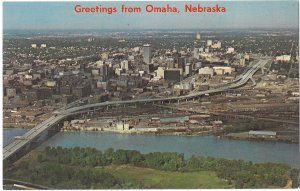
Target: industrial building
222 70
283 58
206 72
262 134
122 126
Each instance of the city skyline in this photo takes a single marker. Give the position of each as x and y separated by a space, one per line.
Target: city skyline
239 15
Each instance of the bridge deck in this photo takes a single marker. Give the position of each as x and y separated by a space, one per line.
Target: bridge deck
30 135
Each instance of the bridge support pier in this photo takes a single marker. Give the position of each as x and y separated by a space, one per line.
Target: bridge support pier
262 70
253 81
33 144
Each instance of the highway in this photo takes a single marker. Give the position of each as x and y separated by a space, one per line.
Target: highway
21 185
30 135
67 111
244 79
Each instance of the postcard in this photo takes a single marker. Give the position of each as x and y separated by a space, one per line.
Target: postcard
150 95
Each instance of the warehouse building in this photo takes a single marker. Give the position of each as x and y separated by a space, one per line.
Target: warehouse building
262 134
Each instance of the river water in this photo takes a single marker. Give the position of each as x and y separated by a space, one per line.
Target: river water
10 133
205 145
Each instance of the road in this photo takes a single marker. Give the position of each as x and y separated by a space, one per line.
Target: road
244 79
30 135
21 185
67 111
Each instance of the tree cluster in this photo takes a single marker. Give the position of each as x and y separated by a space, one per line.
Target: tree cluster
76 166
242 173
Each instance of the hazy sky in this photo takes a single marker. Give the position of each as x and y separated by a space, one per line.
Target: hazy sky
61 15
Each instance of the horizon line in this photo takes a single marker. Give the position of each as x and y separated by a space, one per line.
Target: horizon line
242 28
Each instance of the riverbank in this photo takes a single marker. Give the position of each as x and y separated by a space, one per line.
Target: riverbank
206 145
22 125
245 136
178 131
181 131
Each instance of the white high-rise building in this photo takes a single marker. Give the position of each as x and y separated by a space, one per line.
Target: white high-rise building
242 62
188 69
160 72
198 36
209 42
147 53
124 65
196 53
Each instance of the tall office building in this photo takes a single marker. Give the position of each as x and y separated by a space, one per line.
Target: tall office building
242 62
188 69
207 50
103 71
124 65
198 36
147 53
196 53
209 42
181 62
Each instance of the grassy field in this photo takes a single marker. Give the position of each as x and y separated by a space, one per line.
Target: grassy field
56 170
151 178
132 175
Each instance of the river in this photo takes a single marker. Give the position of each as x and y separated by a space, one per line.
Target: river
10 133
254 151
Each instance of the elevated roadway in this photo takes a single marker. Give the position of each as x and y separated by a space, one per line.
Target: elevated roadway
243 80
30 135
68 111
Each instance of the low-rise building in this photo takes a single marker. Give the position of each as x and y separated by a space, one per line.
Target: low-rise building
262 134
222 70
122 126
283 58
206 71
